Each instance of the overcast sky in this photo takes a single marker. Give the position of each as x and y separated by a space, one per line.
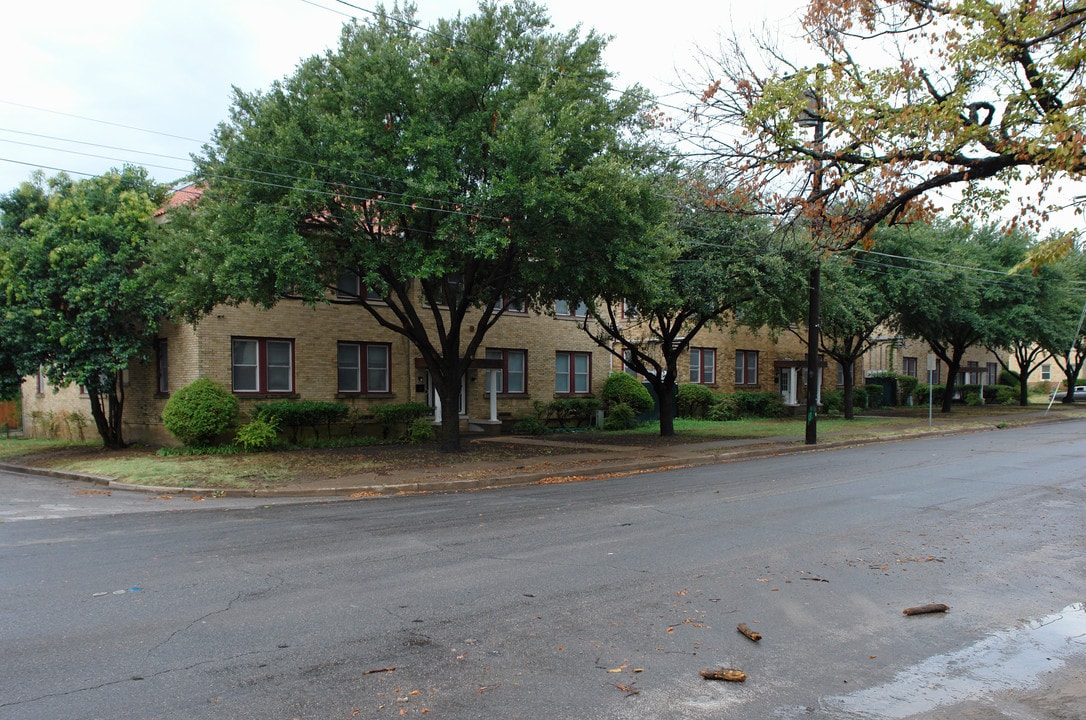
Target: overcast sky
156 75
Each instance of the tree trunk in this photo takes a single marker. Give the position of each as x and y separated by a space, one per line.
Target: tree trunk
665 389
108 420
847 370
954 364
449 433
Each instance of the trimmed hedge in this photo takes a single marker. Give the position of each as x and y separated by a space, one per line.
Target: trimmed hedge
400 415
293 415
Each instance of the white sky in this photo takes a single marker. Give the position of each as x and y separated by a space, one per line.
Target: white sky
167 67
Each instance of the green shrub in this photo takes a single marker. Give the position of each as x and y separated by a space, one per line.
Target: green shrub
623 388
200 412
724 408
257 434
1008 377
578 411
833 402
420 430
530 425
860 397
906 386
732 406
1005 395
400 415
937 391
972 399
693 400
760 404
874 394
620 417
297 414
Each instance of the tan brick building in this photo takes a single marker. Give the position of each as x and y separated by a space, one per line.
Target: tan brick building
337 352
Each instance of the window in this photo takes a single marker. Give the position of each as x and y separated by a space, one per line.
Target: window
562 308
349 287
627 355
909 366
363 367
1046 372
41 380
746 367
993 373
629 310
262 365
572 373
512 378
518 307
703 365
162 366
971 373
937 373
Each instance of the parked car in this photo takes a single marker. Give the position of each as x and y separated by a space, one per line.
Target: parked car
1080 394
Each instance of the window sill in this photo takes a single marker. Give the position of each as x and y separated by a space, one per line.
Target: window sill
364 395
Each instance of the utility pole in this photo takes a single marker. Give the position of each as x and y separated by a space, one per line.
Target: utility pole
812 117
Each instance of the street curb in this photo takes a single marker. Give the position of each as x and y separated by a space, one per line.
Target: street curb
597 471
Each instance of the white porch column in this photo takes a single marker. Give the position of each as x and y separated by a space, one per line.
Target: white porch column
437 407
493 396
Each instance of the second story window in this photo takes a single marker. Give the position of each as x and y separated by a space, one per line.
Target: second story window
564 309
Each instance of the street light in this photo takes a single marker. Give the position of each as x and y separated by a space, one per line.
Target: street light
812 117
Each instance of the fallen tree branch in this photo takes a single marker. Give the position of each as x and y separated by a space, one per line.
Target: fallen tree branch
924 609
725 674
753 635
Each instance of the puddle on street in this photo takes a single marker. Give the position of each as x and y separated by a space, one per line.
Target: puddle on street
1010 659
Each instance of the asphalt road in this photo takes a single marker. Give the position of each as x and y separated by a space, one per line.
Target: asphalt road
588 600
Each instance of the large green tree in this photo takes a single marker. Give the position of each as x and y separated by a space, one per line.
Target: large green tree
1040 323
450 170
75 299
915 95
950 285
1064 322
700 266
853 305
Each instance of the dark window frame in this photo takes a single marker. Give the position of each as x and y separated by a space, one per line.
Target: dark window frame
363 368
571 374
261 365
